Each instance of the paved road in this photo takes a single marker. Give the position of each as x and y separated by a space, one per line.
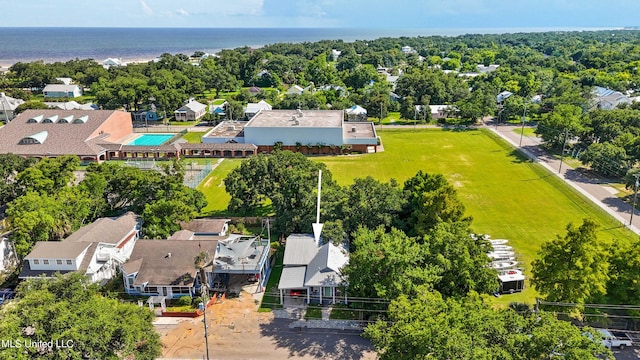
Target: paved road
596 189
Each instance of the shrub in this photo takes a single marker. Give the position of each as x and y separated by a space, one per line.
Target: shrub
183 301
195 302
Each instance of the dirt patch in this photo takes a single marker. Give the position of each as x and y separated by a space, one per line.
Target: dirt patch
237 331
230 316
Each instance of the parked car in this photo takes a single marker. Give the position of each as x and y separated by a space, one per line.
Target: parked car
6 295
612 340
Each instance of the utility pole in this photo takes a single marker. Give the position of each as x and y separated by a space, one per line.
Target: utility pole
524 117
635 197
206 334
566 133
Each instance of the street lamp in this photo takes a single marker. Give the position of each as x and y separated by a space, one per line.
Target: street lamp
635 197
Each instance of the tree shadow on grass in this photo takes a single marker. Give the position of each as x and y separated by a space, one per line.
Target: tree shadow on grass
317 343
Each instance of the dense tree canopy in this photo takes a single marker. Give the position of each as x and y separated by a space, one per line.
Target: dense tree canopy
82 324
427 326
573 268
46 204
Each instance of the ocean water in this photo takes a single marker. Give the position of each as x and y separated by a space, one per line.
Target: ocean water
62 44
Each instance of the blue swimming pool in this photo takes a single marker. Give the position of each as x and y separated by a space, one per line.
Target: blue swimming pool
150 139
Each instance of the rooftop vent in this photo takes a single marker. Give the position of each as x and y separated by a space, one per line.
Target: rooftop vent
65 120
296 122
299 112
168 255
294 118
35 119
81 120
353 129
50 119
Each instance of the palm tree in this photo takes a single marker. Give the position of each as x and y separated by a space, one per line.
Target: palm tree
201 261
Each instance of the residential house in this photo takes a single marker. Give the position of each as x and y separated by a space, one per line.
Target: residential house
8 106
218 108
60 91
407 50
191 111
109 62
166 267
239 258
253 108
335 54
96 250
312 271
608 99
146 115
210 227
482 69
295 90
356 113
503 96
65 80
71 105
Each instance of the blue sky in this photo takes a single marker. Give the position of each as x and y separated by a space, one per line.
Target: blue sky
423 14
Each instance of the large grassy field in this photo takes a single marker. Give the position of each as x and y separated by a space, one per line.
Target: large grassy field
508 196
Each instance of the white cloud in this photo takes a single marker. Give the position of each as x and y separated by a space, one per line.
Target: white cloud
182 12
145 8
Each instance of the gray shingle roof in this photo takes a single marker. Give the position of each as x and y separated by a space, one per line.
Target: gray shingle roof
205 226
105 230
157 267
57 250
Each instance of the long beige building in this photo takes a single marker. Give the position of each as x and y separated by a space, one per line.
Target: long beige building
51 133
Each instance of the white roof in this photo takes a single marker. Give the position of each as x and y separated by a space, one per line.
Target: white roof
9 103
65 80
300 249
193 106
292 277
325 268
255 107
61 87
511 275
71 105
112 61
295 89
356 110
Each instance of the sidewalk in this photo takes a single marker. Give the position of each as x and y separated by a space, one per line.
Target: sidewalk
593 188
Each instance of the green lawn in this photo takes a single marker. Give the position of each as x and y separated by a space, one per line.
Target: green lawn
313 312
213 188
530 132
193 137
507 195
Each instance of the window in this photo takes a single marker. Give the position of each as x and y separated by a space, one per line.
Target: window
69 262
36 261
45 261
59 262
